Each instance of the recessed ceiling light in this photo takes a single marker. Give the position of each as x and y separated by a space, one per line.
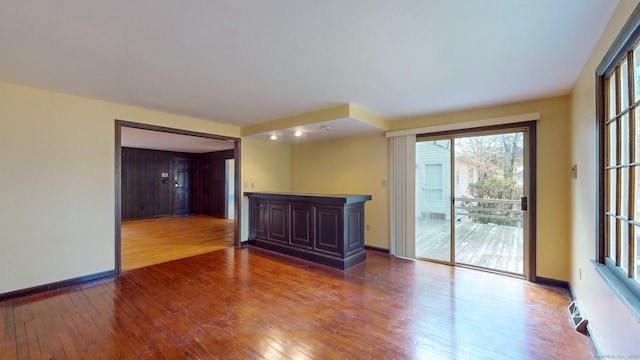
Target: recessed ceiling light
273 137
298 133
326 127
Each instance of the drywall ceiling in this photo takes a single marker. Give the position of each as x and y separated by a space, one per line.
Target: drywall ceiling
156 140
246 62
321 131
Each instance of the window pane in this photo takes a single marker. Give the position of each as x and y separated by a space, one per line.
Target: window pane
433 178
611 104
624 246
624 139
636 215
433 181
636 131
624 82
433 213
611 201
611 239
624 192
636 273
611 129
433 194
636 67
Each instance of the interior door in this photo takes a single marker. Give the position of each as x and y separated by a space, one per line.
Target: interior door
184 186
471 199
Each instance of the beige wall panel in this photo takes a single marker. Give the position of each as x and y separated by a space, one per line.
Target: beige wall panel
265 167
357 165
57 187
614 328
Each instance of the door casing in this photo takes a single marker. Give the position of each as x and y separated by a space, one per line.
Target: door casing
118 178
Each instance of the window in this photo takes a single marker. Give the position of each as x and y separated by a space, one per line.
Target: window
472 179
433 181
618 109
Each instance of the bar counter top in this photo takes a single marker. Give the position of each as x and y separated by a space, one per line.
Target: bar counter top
342 199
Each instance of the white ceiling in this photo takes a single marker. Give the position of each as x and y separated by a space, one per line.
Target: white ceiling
245 62
156 140
322 131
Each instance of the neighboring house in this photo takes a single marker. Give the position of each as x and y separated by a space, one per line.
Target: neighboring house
433 178
466 173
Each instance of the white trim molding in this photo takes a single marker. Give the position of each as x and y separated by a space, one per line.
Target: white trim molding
511 119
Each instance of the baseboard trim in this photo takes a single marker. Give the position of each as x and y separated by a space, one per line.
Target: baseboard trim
553 282
53 286
571 293
377 249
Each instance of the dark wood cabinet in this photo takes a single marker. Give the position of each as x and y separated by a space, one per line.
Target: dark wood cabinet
302 225
278 222
257 219
328 229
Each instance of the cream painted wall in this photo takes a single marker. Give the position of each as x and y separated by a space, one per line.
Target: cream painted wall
265 167
614 328
356 165
553 246
57 186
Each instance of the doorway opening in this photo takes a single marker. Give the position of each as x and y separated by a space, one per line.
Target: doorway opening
473 199
229 188
172 191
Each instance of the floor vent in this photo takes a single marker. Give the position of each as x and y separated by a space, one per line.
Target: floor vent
579 322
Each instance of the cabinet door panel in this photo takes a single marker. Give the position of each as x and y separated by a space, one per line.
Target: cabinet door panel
302 218
329 237
278 222
355 229
258 219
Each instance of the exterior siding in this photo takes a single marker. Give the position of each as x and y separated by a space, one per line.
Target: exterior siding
428 153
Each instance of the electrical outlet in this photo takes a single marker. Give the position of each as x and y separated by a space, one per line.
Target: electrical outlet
384 183
574 171
368 227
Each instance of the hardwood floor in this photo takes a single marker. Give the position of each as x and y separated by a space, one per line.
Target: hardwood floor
154 241
253 304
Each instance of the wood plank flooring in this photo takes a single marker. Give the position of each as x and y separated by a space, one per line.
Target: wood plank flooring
154 241
253 304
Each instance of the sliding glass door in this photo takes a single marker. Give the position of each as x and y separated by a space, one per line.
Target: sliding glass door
471 200
433 200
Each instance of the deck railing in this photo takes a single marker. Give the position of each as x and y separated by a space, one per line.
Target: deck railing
504 210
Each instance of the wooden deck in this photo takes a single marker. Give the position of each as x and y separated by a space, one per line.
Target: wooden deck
494 247
253 304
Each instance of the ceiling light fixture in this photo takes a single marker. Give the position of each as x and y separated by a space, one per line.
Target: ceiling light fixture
273 137
298 133
326 127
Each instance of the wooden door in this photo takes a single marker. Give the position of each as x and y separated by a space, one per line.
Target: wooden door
184 186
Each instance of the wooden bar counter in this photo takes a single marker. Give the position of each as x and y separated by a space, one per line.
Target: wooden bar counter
327 229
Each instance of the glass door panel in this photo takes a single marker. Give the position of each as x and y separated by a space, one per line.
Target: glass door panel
489 201
433 200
